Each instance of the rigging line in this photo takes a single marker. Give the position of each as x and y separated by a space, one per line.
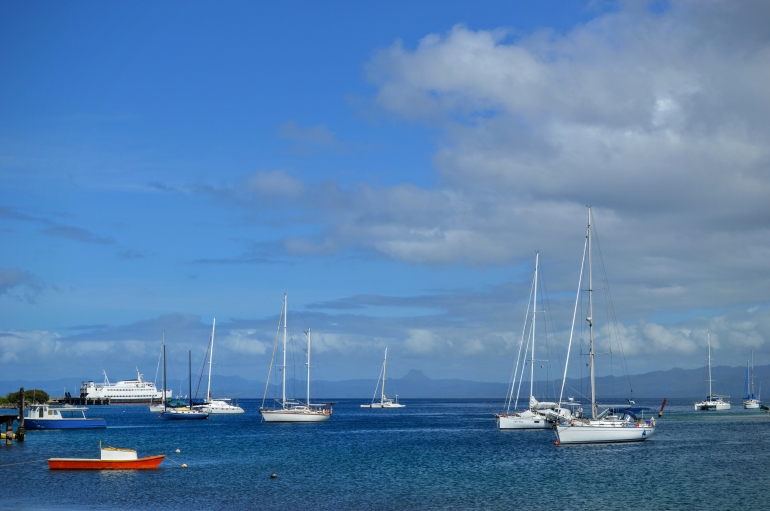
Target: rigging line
272 357
553 334
523 364
203 368
574 315
157 368
521 343
612 311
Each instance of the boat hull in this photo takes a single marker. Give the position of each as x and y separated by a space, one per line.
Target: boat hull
64 423
582 434
378 405
751 404
517 422
185 415
148 463
293 416
712 406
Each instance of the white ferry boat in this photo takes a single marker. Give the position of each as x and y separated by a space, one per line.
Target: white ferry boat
125 391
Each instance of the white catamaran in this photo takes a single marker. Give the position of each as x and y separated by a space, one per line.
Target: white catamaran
536 416
614 424
385 402
712 401
292 410
220 405
751 401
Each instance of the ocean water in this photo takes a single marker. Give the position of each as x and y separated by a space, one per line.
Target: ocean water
433 454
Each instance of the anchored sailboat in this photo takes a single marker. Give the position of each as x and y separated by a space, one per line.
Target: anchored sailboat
536 415
712 401
385 402
751 401
615 423
184 413
221 405
292 410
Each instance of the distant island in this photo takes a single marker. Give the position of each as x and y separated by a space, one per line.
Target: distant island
674 383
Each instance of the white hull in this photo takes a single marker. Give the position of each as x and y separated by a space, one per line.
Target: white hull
712 406
595 432
527 419
156 408
218 407
294 415
751 404
380 405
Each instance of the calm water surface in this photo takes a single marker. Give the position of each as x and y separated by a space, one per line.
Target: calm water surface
433 454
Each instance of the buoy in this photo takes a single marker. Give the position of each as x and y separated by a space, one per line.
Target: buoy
556 443
273 475
184 465
178 451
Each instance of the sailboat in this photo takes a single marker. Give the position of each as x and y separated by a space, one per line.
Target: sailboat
385 402
614 423
186 413
750 401
712 401
535 416
293 410
221 405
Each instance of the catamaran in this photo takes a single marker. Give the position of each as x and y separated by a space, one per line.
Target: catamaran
220 405
712 401
614 423
293 410
536 416
751 401
385 402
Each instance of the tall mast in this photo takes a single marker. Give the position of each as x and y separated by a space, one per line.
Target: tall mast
285 299
384 376
590 318
308 367
211 358
163 344
534 315
752 375
189 368
709 363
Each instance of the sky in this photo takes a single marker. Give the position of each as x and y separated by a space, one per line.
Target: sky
392 166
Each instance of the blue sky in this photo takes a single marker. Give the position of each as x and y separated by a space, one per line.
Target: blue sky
393 167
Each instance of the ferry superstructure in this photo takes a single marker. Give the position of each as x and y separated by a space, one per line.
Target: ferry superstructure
125 391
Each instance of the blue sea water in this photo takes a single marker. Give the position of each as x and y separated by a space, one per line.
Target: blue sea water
433 454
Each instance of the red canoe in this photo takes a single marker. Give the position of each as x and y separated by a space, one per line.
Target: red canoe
112 458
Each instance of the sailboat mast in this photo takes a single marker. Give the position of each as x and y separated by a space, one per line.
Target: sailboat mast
752 375
384 375
189 369
163 344
308 367
590 319
709 363
534 316
211 358
285 299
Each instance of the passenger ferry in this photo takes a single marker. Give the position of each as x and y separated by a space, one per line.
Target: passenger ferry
125 391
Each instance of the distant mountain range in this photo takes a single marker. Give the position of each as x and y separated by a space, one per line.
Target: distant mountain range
674 383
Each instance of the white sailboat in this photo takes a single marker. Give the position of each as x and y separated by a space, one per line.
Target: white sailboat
712 401
536 415
751 401
221 405
292 410
385 402
614 424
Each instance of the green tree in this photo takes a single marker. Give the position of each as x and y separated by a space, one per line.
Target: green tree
31 396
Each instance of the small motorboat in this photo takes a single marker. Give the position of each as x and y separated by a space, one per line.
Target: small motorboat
59 417
112 458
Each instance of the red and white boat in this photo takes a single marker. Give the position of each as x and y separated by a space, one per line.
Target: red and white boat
112 458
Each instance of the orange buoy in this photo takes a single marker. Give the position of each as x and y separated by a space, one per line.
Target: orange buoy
556 443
